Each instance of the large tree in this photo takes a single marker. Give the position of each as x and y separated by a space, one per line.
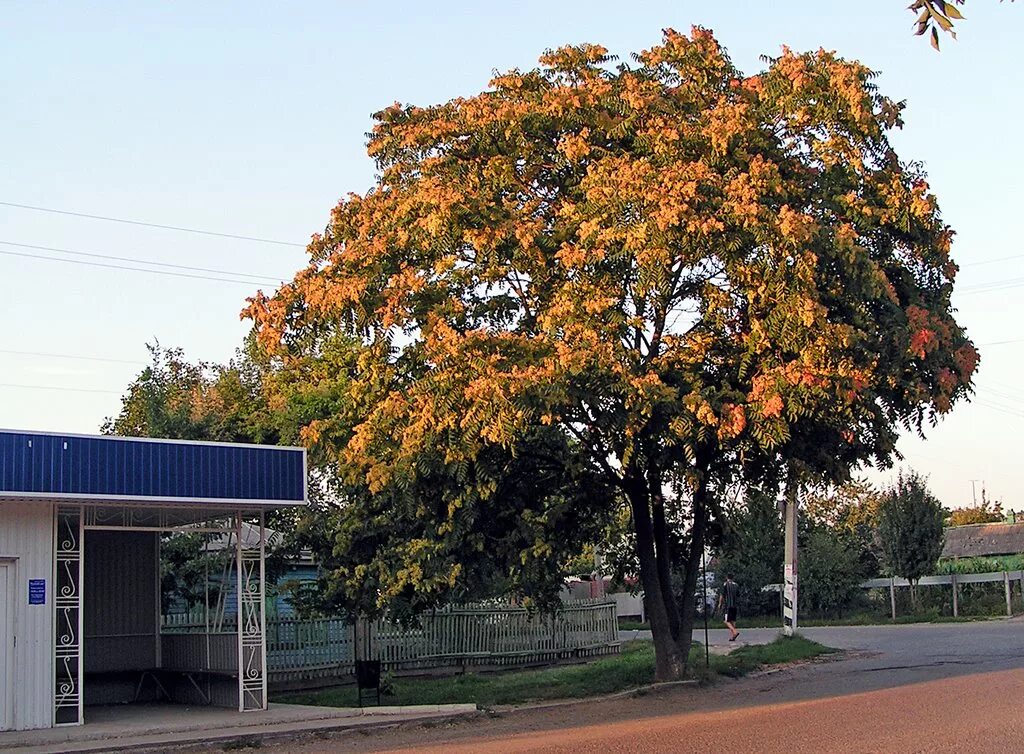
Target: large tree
655 276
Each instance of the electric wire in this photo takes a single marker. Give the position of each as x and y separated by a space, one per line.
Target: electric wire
179 228
123 267
135 260
60 388
70 356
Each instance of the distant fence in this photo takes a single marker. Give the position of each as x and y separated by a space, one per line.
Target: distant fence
954 581
454 637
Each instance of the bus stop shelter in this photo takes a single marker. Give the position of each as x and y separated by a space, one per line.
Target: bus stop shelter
81 524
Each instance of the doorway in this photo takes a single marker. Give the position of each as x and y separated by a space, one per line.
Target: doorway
7 607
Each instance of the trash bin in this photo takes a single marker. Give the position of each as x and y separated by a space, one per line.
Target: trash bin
368 677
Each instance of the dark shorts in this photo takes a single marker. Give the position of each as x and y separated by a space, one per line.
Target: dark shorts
730 615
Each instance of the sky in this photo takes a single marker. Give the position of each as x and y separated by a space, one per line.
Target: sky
249 119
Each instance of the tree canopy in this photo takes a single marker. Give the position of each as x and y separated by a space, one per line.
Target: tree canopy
648 279
983 513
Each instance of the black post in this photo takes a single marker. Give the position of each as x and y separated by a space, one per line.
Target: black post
704 578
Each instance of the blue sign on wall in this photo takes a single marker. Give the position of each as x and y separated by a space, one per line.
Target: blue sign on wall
37 591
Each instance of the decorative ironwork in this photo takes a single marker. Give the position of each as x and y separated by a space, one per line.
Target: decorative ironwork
67 700
252 660
163 519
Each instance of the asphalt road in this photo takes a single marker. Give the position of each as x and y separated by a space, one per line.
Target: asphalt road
934 688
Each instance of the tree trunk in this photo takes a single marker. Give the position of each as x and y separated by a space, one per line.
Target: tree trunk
663 553
669 664
693 564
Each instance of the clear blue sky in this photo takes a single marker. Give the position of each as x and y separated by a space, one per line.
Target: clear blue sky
249 118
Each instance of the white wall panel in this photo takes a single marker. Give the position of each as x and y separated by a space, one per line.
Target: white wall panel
26 533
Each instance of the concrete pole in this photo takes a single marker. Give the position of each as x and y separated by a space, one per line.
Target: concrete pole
956 605
790 591
892 596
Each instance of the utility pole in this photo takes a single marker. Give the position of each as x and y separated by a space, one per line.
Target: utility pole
789 600
974 493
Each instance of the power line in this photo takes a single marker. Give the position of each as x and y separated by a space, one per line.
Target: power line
1000 409
71 356
992 261
999 396
265 278
59 388
1000 342
996 285
152 225
122 267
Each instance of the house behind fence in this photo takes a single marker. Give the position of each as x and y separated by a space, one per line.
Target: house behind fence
983 540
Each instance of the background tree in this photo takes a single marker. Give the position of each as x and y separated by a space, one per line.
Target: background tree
174 398
910 528
751 550
985 512
850 513
831 569
838 548
651 278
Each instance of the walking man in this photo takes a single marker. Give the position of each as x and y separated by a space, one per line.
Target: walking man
728 599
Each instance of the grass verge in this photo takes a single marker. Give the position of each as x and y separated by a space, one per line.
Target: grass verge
633 667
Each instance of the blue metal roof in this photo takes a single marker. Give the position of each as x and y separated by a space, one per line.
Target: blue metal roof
64 466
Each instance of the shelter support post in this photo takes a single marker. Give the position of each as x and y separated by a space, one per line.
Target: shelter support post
67 602
252 655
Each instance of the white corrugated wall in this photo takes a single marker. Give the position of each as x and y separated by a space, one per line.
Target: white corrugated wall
26 533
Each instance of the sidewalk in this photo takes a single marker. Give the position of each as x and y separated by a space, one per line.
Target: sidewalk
157 726
719 643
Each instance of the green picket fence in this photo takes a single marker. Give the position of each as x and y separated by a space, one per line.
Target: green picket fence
470 636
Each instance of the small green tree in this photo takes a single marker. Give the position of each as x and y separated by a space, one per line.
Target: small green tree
830 569
910 527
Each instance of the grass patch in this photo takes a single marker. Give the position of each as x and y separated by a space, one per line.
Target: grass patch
633 667
783 650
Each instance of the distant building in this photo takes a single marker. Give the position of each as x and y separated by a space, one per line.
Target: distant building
983 540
